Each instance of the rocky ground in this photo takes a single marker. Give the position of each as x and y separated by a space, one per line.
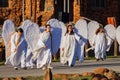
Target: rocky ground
97 74
102 70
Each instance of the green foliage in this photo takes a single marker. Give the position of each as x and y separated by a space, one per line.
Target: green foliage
86 78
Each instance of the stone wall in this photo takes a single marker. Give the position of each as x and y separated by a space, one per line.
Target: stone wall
4 13
76 10
13 12
16 11
40 11
111 10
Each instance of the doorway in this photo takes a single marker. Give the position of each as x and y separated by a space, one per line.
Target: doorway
63 10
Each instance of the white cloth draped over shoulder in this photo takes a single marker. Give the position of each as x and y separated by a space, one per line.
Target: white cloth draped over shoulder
16 50
100 45
43 55
69 45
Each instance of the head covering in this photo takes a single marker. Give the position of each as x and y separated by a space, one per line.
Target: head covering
71 24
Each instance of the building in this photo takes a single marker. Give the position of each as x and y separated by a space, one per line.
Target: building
40 11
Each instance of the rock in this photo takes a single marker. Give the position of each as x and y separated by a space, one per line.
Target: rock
65 76
95 78
100 70
11 78
115 79
111 75
65 79
19 78
6 78
75 75
99 77
60 76
88 74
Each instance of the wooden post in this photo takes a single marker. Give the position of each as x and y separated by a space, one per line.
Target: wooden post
112 20
48 74
115 48
86 53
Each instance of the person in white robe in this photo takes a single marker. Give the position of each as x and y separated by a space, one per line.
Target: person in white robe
100 44
68 53
43 53
18 50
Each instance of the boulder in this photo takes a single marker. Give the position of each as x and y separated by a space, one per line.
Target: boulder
5 78
99 77
19 78
88 74
100 70
111 75
65 76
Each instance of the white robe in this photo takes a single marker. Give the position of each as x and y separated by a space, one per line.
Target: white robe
100 44
69 53
44 57
28 57
17 56
80 50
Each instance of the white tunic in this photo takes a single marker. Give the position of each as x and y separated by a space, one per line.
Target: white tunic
100 45
17 51
44 54
69 53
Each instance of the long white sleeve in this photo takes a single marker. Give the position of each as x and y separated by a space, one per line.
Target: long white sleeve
77 37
